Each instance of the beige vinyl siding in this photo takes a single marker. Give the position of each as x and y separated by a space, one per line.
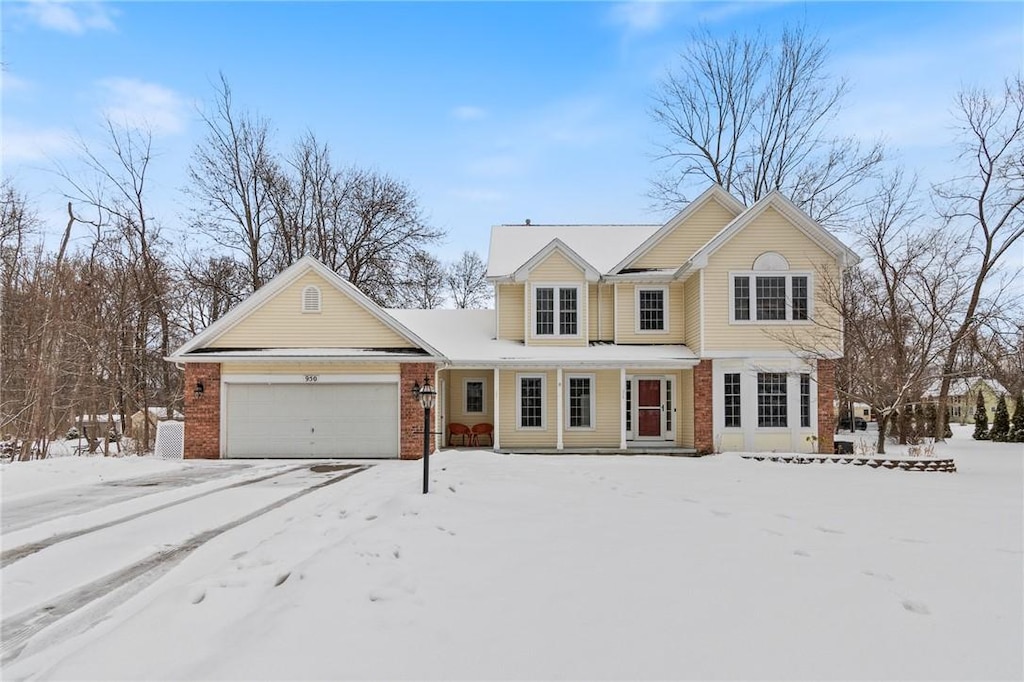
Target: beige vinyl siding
770 442
691 308
607 429
510 311
456 399
769 232
607 314
626 316
734 441
511 437
556 268
675 248
684 428
304 368
592 322
280 323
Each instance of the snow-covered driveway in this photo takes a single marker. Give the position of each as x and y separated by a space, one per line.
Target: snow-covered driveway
533 567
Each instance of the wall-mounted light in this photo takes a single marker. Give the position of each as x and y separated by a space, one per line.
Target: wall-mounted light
198 392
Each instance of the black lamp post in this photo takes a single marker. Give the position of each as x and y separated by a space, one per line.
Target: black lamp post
427 395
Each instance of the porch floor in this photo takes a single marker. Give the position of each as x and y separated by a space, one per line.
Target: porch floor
644 450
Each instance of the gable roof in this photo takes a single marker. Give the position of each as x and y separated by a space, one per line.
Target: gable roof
590 273
278 284
601 246
713 193
963 386
815 232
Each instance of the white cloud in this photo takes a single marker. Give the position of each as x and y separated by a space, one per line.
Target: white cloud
26 144
139 104
640 16
468 113
67 17
11 83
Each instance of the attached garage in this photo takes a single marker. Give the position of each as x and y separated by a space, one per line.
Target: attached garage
310 420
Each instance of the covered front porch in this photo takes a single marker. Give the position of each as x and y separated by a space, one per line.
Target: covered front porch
568 409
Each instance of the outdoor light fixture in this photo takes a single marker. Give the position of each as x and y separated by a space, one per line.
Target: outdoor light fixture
427 395
199 390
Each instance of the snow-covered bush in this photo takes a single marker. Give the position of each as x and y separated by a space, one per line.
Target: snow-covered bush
1000 422
72 433
980 419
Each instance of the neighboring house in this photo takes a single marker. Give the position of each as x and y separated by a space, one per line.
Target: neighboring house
709 332
156 414
963 397
95 426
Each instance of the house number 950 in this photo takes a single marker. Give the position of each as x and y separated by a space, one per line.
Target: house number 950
311 378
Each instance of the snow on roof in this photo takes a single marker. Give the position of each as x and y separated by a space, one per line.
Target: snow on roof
963 386
466 337
302 353
160 412
600 245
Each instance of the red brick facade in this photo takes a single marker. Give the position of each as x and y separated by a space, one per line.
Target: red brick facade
826 410
703 409
412 411
202 414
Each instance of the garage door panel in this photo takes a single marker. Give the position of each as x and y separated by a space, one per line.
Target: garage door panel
325 420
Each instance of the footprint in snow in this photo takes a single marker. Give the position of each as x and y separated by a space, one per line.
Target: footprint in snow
917 607
801 552
721 513
771 532
445 530
197 596
913 541
690 500
823 529
880 576
281 578
371 517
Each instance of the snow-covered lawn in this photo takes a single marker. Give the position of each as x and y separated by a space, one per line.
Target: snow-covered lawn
581 567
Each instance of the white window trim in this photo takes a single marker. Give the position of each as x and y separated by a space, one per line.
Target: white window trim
557 310
664 312
592 378
543 402
739 428
465 394
789 275
319 299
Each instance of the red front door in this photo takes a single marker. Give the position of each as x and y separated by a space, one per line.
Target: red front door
648 405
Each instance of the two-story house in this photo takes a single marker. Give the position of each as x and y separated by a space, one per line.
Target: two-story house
710 332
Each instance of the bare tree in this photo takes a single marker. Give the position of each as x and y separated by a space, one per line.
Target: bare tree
466 280
752 115
422 283
384 230
229 175
987 202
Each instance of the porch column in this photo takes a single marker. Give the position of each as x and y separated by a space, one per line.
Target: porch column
496 434
558 408
622 408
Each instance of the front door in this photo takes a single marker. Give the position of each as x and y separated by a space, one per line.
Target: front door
648 408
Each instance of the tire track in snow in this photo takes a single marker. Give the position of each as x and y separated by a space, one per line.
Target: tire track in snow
9 556
18 630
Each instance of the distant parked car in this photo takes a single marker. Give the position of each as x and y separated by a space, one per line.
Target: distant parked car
858 423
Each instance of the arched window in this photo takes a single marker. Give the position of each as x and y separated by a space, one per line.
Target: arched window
769 261
311 299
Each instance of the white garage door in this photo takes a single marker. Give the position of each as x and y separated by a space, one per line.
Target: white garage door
303 420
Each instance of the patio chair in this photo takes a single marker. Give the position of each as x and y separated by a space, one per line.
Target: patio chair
482 430
456 429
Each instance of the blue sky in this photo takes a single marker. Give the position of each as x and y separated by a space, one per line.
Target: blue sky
492 112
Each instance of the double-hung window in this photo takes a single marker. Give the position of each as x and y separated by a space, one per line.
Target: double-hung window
530 399
556 311
651 309
774 297
805 400
771 399
579 390
474 393
732 400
